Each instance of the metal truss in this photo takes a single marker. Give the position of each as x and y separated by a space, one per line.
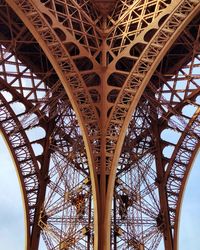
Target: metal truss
161 142
43 134
89 91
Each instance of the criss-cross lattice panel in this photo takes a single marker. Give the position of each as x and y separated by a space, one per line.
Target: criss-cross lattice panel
130 20
137 220
179 100
66 218
74 16
19 76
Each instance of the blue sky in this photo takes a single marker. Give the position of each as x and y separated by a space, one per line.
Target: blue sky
190 216
11 208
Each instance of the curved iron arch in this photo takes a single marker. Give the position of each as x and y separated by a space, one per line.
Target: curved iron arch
187 9
25 162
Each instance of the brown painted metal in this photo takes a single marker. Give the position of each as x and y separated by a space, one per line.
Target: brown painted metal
88 90
105 6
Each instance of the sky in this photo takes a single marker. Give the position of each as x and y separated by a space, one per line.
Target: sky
189 238
11 207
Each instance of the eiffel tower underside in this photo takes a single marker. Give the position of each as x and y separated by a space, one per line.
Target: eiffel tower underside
100 108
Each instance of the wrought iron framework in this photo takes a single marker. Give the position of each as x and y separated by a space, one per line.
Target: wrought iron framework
89 92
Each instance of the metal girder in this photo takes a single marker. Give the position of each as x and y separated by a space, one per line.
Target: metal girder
25 161
172 116
21 86
104 58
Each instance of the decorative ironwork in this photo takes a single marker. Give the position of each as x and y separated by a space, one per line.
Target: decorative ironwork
89 91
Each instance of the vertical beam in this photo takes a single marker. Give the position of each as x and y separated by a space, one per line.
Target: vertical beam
35 237
167 232
102 170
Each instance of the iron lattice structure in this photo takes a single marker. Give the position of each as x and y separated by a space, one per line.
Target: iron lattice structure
100 107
